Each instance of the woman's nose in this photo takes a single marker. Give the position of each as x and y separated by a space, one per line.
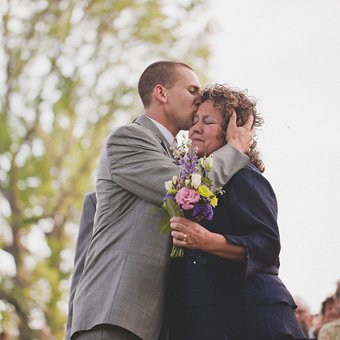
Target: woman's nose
198 127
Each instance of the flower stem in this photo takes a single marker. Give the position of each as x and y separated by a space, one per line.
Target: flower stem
176 251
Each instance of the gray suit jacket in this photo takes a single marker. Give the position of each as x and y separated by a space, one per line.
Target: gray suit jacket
124 277
83 242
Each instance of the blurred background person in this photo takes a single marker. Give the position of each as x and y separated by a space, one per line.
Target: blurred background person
304 316
328 313
331 330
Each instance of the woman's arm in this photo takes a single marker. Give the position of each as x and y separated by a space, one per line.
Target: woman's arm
251 210
252 207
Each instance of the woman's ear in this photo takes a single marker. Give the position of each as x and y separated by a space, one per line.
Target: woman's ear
160 93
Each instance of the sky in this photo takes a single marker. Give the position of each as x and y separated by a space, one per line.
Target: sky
286 53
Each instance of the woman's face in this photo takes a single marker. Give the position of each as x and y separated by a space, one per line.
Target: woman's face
206 132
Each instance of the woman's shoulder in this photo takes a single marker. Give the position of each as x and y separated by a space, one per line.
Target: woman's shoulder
249 178
250 169
248 173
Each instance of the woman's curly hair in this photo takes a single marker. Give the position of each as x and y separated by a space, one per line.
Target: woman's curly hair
228 100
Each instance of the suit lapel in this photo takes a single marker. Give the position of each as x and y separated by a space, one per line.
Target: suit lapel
147 123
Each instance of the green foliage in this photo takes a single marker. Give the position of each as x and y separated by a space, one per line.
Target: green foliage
68 75
172 209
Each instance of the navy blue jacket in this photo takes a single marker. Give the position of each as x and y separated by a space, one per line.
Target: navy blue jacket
246 215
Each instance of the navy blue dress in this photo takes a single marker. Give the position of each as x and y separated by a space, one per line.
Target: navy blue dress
211 298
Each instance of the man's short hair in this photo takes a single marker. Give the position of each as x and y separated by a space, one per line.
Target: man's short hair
163 73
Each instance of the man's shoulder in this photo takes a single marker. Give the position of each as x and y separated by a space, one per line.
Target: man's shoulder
131 137
131 130
126 128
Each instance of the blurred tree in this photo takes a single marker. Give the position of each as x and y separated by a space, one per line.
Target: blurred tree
68 74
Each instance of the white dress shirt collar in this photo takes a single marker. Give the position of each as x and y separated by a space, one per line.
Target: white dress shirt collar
165 132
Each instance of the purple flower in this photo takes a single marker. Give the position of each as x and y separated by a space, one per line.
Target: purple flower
208 212
169 196
188 164
197 210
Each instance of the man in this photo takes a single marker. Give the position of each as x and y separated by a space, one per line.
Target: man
121 291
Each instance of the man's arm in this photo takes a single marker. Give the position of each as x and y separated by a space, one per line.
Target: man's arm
138 164
83 242
227 161
240 137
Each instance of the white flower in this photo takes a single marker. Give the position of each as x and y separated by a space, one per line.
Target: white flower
187 182
168 185
174 180
195 180
207 163
176 153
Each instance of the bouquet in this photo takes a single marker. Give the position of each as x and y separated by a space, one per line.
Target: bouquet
190 195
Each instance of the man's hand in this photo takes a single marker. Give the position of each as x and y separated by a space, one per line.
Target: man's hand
240 137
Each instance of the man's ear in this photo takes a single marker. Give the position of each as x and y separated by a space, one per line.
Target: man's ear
160 93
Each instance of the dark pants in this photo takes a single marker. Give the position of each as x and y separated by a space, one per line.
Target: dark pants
105 332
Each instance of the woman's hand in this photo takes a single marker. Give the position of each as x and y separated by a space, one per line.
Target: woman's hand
189 234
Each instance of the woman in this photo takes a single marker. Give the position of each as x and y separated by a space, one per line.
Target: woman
226 286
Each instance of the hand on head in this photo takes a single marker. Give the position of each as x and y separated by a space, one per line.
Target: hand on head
240 137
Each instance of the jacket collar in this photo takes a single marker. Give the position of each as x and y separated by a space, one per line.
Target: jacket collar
143 120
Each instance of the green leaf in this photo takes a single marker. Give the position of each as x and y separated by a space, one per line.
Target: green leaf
164 225
172 208
207 181
158 210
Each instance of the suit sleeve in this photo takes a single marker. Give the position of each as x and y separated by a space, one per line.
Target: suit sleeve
83 242
137 162
253 208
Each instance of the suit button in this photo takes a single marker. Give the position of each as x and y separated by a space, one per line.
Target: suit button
194 262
